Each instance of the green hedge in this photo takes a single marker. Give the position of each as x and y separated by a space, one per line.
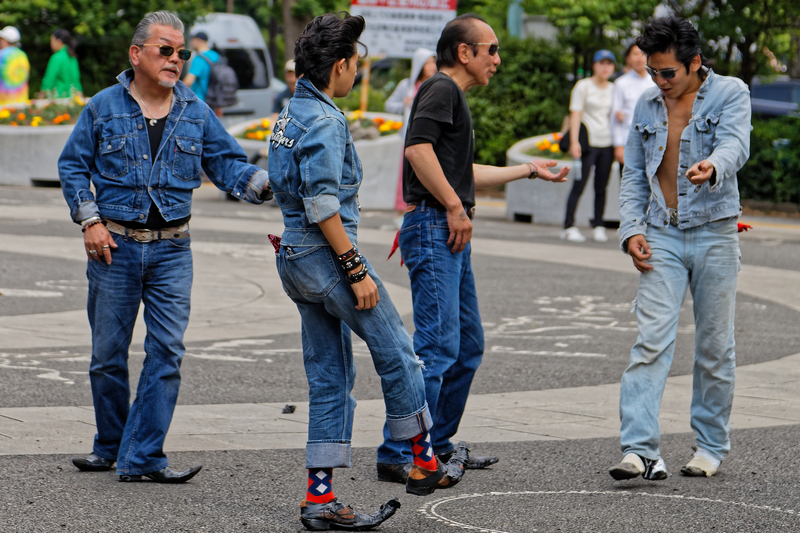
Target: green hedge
772 173
528 96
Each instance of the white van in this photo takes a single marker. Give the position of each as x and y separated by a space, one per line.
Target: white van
238 39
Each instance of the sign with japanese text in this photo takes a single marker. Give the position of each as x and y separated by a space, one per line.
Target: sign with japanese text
395 28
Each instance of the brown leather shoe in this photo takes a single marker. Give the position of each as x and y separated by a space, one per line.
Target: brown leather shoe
336 515
422 481
394 473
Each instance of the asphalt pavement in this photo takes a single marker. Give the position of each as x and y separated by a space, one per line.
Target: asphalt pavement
558 334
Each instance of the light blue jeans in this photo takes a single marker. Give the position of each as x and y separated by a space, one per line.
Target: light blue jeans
158 274
312 278
706 259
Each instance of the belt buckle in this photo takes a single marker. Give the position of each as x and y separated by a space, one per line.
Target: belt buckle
143 235
673 217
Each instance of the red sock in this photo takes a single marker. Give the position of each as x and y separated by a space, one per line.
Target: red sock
320 485
423 451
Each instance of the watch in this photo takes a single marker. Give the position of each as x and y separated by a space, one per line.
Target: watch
534 171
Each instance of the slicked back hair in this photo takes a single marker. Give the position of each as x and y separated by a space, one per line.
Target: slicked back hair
672 34
462 29
324 41
144 29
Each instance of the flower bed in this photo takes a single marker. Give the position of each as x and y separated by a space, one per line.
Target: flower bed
32 136
361 126
547 148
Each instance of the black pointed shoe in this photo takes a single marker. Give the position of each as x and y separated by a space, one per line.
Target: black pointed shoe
93 463
336 515
475 462
394 473
422 481
165 475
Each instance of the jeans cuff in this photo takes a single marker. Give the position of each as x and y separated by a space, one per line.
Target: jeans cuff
405 427
143 470
328 455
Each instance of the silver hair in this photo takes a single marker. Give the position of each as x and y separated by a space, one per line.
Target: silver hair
144 29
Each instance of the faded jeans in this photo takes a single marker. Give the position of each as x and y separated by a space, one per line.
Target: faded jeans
312 278
159 274
705 259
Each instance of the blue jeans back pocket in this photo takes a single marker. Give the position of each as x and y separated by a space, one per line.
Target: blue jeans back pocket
313 271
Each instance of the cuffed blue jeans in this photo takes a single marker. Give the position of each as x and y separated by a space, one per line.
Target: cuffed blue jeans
159 274
705 259
449 334
312 278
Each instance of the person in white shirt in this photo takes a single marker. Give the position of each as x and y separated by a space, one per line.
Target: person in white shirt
627 90
590 104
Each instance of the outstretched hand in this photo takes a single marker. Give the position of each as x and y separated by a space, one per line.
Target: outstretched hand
545 174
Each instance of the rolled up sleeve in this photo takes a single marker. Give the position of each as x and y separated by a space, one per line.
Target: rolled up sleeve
75 167
322 152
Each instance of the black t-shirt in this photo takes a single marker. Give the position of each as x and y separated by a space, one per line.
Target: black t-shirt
440 116
154 219
281 100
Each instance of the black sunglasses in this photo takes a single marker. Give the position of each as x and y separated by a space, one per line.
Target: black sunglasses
666 73
167 51
493 47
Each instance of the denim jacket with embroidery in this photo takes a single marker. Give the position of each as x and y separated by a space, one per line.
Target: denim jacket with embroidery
314 170
719 130
109 148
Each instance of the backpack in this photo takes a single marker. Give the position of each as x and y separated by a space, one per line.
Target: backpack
222 84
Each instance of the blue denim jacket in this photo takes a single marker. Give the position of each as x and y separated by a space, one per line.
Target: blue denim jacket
314 170
110 149
719 130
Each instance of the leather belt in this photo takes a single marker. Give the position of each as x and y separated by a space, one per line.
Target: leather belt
149 235
436 204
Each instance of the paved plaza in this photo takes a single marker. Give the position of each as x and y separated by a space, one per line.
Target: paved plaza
559 329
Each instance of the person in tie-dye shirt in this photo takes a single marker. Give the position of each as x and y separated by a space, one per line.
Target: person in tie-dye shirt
14 68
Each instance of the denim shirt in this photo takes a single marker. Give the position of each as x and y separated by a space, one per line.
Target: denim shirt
719 131
109 149
314 170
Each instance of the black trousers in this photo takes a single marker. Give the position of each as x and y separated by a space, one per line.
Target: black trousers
601 159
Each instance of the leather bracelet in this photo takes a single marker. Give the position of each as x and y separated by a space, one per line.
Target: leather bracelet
534 171
88 220
352 263
91 223
358 276
347 255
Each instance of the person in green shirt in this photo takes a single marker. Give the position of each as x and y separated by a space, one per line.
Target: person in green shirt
62 78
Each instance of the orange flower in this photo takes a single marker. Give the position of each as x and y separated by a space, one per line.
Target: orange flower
21 116
66 116
378 121
397 125
14 123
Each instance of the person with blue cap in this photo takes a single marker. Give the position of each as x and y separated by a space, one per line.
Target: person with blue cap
590 106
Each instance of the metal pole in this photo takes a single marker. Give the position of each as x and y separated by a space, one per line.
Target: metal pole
365 86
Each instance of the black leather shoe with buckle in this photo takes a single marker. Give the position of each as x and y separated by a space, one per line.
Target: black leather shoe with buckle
394 473
475 462
336 515
422 481
165 475
93 463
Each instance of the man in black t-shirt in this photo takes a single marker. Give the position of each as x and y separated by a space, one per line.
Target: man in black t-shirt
439 182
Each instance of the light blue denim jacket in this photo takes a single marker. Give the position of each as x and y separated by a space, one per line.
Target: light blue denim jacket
719 130
314 170
109 148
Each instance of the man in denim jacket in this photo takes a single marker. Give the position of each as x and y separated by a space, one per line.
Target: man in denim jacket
141 144
678 209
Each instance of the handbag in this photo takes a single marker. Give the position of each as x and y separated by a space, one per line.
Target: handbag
583 140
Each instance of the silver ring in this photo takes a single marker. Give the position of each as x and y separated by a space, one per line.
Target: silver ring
93 252
105 247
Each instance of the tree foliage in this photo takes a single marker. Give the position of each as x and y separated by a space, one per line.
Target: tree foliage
103 31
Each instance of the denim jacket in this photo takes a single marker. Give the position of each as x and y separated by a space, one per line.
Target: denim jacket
719 130
314 170
109 148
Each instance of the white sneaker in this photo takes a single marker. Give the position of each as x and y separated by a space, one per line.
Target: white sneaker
572 234
703 464
633 466
599 234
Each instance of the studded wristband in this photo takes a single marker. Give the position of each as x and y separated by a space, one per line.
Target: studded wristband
358 276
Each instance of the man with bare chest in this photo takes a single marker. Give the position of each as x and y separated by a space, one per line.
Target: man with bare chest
679 204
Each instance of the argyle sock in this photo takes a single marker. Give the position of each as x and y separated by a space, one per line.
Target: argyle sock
320 485
423 451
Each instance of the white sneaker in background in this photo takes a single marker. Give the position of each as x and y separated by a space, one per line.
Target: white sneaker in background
599 234
703 464
572 234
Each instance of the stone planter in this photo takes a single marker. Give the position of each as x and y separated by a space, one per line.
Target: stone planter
29 154
380 162
545 203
